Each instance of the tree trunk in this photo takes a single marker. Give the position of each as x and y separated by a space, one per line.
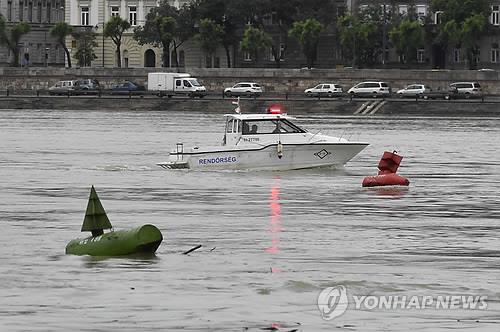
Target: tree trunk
119 54
15 58
174 54
228 56
166 56
277 58
68 56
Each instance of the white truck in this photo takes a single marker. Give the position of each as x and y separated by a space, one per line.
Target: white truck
169 84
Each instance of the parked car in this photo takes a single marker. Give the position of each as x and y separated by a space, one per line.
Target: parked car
127 87
467 89
87 86
414 90
244 89
62 88
324 89
373 89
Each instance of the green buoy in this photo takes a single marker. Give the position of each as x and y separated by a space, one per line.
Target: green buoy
143 239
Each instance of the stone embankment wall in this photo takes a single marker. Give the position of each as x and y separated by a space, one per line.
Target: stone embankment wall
273 80
343 107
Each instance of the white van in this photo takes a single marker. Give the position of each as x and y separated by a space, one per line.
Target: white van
62 88
169 84
370 89
466 89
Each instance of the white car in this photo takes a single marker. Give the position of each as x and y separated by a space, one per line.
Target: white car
324 89
413 90
371 89
250 89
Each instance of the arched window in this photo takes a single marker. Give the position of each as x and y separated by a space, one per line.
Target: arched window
149 58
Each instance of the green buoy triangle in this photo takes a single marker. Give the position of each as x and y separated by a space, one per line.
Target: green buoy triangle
95 216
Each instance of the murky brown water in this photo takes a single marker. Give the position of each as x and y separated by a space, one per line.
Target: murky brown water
271 240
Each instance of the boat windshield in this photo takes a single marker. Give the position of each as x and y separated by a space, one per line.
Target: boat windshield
253 127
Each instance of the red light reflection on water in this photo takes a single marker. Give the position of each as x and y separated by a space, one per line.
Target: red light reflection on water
275 226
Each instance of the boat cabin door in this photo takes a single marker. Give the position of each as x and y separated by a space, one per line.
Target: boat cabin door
233 131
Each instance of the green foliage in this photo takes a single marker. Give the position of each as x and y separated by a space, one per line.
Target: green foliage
210 35
60 31
255 40
12 37
85 45
463 22
307 33
360 41
407 38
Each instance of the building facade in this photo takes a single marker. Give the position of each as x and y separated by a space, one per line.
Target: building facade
38 47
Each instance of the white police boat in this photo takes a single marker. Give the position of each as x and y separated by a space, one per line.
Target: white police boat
268 141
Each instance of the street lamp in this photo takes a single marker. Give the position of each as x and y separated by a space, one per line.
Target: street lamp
47 56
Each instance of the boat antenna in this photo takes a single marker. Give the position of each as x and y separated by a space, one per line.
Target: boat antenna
238 108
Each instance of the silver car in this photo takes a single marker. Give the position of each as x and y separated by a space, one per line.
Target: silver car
414 90
324 89
62 88
250 89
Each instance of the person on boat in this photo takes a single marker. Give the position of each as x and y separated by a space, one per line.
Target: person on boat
254 129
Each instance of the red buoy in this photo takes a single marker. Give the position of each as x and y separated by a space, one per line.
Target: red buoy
388 166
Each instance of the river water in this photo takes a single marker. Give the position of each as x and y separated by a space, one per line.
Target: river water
271 241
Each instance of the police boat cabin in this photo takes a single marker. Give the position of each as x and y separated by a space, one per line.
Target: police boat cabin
269 141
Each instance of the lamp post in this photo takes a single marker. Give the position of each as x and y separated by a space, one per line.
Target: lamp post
47 56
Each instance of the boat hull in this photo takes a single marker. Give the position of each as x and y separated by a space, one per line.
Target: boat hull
144 239
269 157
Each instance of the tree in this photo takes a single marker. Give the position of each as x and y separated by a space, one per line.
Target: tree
407 38
472 30
159 29
184 29
115 28
255 40
12 37
86 43
60 31
209 36
307 33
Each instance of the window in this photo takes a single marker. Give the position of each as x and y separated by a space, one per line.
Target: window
39 12
403 10
9 11
438 17
49 9
421 12
495 53
132 15
85 16
494 16
456 55
30 12
21 11
477 56
270 127
421 55
115 11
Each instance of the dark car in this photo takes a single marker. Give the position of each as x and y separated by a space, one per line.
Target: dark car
127 87
86 86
